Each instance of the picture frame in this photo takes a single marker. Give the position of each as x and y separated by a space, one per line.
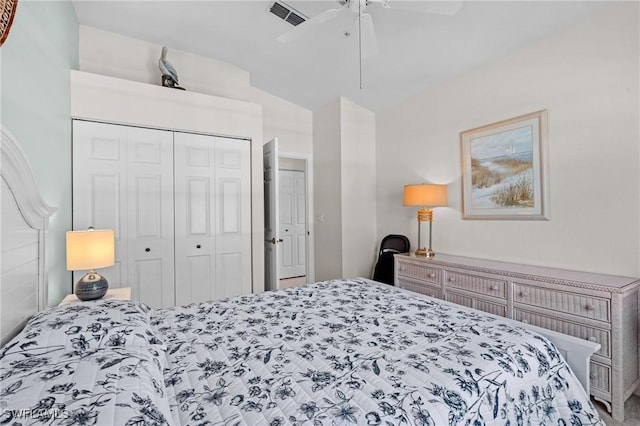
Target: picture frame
504 169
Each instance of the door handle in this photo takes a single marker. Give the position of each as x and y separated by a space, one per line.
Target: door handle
274 241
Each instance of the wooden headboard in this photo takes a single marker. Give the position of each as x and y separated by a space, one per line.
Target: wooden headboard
25 218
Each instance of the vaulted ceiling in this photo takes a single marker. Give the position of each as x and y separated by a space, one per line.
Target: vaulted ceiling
417 49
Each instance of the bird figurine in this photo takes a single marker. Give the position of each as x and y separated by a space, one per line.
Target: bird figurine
169 73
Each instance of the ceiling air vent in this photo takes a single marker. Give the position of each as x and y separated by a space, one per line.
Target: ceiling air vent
287 13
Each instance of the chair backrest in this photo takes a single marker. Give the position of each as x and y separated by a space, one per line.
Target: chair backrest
395 243
389 245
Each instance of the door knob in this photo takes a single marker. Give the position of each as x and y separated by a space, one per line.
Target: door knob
147 249
274 241
198 246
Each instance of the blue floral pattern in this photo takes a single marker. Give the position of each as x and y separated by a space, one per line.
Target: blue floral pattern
329 353
353 352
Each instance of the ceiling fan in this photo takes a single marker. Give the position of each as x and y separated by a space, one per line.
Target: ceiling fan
364 21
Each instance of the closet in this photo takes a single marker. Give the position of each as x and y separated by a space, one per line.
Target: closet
180 205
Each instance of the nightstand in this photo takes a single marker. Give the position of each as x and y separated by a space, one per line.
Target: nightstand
123 293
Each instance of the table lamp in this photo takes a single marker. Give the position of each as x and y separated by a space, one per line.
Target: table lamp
425 195
90 250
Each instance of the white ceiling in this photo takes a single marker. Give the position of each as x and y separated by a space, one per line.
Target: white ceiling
417 50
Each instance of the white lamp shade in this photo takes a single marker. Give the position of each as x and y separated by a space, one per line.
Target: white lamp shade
90 249
425 194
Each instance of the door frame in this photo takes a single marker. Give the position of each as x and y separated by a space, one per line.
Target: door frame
310 212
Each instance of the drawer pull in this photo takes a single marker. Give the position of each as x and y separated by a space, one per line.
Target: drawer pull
523 294
452 279
589 307
432 275
402 268
592 376
494 287
525 321
592 339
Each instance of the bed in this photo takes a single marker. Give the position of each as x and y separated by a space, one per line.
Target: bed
335 352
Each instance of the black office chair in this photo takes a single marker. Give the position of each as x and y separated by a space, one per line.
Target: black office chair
389 245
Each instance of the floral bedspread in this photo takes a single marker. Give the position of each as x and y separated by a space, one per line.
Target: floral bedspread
335 352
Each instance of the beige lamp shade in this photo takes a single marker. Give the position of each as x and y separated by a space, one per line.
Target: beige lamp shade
90 249
425 194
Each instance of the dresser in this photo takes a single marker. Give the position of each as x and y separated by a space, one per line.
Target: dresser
597 307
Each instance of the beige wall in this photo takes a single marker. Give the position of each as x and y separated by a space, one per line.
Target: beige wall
345 196
327 192
114 55
290 123
359 245
587 79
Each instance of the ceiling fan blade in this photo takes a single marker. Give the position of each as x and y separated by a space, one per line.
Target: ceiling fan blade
367 35
301 29
437 7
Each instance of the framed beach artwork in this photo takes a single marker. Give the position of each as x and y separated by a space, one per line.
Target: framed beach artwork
504 170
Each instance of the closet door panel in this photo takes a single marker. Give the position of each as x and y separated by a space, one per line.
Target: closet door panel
99 189
194 216
123 180
233 221
150 216
180 205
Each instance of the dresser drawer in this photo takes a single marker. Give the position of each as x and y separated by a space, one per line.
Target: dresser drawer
571 303
477 303
420 287
600 377
420 272
593 334
477 284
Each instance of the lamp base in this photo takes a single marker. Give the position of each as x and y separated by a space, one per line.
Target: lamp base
91 287
425 252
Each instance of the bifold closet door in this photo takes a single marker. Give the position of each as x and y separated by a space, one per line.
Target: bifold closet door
123 180
212 217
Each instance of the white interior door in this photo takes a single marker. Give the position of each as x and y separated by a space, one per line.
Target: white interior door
233 217
292 223
212 217
99 189
194 217
123 180
271 214
150 216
